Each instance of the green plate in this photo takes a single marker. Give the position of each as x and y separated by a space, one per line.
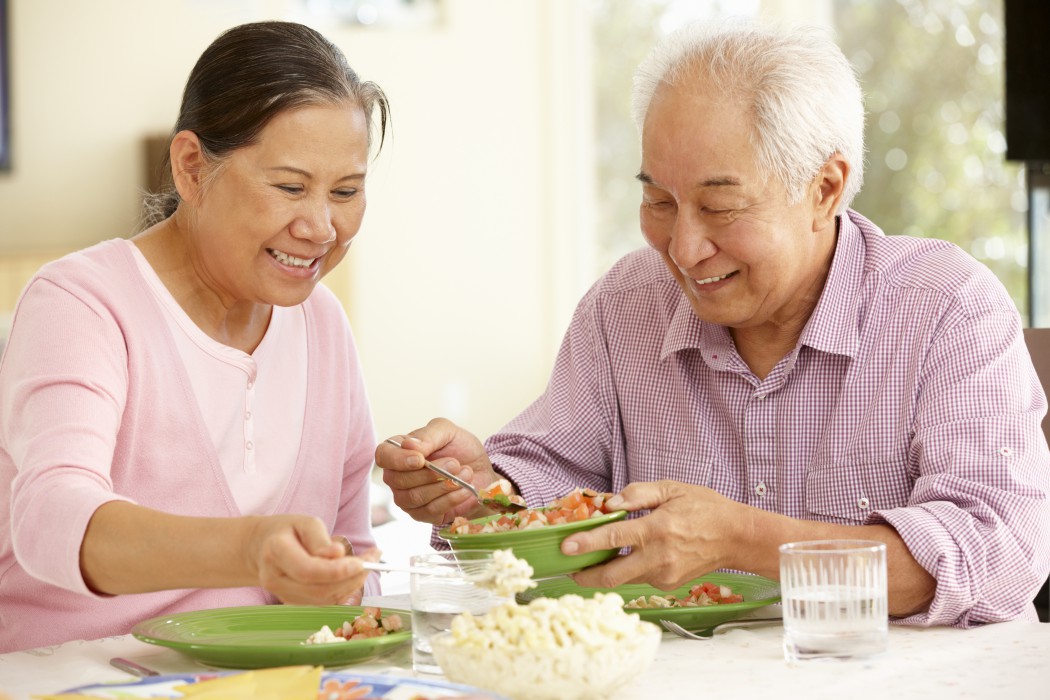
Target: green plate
539 546
266 635
758 592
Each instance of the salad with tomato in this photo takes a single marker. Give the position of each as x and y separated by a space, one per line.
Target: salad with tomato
700 595
578 504
370 623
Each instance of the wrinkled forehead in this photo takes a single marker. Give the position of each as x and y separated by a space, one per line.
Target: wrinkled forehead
695 109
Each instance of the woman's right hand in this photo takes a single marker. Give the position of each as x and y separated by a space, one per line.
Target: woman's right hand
129 548
421 493
297 560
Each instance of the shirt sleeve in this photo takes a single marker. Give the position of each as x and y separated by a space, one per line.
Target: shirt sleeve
63 385
568 437
978 515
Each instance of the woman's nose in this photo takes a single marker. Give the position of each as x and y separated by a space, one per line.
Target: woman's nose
315 223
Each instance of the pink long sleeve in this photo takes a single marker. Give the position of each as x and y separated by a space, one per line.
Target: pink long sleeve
95 406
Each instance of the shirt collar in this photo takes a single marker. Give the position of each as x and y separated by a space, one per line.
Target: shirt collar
833 327
687 331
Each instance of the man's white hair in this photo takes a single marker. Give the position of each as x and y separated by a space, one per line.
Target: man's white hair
801 93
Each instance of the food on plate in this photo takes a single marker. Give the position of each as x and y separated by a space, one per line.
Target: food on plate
505 576
553 648
501 492
700 595
370 623
579 504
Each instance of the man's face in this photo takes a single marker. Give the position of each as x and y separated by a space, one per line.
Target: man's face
742 254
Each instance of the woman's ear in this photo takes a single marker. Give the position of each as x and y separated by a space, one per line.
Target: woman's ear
830 184
187 164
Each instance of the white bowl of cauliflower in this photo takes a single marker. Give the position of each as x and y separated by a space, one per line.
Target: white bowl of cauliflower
567 648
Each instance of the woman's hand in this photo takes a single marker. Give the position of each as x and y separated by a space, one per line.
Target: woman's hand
129 548
296 559
419 491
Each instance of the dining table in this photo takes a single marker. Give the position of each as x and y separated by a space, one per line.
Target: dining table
1003 660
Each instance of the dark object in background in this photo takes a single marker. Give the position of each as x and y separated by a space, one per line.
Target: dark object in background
1027 36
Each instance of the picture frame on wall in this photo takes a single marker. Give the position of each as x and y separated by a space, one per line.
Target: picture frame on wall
5 91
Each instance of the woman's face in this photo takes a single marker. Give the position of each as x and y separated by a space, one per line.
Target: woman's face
281 213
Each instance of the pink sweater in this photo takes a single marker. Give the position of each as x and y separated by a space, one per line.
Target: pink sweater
95 406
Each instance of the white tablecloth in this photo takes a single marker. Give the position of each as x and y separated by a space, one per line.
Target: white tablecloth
1009 660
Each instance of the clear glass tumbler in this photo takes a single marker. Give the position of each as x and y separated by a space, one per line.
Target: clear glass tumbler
441 589
833 594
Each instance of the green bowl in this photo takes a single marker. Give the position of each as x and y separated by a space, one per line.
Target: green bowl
758 592
541 546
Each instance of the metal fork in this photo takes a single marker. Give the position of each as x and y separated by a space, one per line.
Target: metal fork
499 504
709 632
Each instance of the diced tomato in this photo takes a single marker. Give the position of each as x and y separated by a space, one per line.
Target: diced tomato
370 623
571 500
364 623
577 505
392 623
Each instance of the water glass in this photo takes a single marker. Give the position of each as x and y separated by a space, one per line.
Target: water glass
834 598
441 589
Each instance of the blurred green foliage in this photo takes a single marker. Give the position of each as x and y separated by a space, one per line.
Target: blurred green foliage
933 79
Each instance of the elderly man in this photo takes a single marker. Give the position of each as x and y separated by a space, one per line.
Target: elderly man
773 367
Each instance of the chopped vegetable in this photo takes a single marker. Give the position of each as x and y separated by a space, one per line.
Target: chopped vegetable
370 623
501 492
700 595
578 504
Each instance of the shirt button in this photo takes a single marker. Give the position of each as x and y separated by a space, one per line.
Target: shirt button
251 384
249 445
863 503
760 489
760 397
1005 451
247 415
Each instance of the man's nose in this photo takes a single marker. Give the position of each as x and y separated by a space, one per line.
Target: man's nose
691 241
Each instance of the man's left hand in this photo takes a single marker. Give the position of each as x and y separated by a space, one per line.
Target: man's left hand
690 531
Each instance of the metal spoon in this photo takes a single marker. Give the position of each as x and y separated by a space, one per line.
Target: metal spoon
501 504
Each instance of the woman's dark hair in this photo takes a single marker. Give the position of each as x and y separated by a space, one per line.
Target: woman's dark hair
249 75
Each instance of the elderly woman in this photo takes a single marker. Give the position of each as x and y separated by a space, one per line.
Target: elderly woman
182 414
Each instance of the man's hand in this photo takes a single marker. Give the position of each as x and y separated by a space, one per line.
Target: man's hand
690 531
420 492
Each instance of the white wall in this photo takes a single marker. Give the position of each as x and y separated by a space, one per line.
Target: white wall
475 244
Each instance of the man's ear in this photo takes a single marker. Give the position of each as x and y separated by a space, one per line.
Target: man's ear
187 164
830 184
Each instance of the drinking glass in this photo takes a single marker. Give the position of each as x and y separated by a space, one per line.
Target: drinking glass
441 589
833 594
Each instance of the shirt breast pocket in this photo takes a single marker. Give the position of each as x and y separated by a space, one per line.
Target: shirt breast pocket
677 465
849 493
